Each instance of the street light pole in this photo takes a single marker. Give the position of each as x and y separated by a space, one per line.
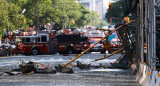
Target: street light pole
22 14
23 11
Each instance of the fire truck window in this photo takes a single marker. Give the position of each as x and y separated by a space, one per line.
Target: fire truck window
33 40
38 39
84 39
23 40
43 39
28 40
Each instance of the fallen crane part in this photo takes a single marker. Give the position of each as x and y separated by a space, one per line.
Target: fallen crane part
97 43
81 65
127 37
109 55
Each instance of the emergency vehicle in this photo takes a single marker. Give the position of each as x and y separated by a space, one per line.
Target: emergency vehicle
95 36
44 43
34 45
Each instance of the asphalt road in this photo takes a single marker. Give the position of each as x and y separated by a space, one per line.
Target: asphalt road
89 77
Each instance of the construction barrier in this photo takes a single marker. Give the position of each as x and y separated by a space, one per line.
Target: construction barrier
147 80
143 73
147 77
155 81
140 72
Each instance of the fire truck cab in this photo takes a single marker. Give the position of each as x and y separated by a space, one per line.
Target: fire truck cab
95 36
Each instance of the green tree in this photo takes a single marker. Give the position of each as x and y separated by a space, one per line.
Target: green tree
93 17
70 10
48 11
3 16
101 23
42 12
10 18
83 20
16 20
19 3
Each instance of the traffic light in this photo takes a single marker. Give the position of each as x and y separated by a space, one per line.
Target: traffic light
110 6
126 19
110 20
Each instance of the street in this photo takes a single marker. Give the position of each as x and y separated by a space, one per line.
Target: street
85 77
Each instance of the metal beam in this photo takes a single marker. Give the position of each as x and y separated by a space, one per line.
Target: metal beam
109 55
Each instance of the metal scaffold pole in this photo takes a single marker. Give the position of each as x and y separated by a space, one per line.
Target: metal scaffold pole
154 36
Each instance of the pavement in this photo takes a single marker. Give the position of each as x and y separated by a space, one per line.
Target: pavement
89 77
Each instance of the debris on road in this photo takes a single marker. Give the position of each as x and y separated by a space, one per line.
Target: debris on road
81 65
30 68
61 69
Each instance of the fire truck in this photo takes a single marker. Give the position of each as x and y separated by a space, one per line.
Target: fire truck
95 36
45 43
34 45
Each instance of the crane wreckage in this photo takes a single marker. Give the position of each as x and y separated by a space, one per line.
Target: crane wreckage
126 34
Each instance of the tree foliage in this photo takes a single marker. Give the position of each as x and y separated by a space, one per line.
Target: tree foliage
87 18
10 18
93 17
69 10
40 12
83 20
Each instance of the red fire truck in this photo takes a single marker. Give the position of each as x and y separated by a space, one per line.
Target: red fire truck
32 44
43 43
